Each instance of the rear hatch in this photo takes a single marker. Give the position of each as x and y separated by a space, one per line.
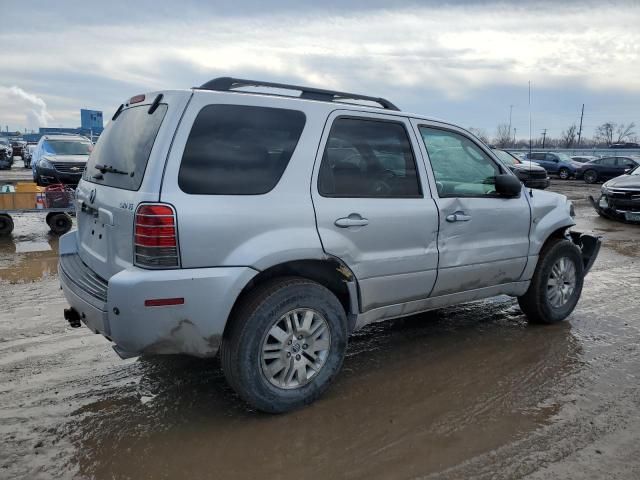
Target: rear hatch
124 169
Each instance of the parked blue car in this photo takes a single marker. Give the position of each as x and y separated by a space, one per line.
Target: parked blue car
559 164
606 167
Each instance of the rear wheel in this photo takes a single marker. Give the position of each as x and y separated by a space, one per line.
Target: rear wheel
591 176
564 173
59 223
556 284
285 344
6 224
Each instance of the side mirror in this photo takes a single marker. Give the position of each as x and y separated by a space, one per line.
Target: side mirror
508 185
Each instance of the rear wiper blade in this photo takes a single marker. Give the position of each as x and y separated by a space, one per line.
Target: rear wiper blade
109 169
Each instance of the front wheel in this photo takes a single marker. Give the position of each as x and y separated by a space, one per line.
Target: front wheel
590 176
564 173
556 284
285 344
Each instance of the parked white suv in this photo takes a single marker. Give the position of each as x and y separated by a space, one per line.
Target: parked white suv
269 227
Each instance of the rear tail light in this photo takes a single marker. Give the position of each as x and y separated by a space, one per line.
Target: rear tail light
156 236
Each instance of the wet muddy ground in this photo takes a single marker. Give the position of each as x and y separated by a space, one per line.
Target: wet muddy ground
466 392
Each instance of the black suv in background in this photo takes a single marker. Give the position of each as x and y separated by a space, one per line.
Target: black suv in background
606 167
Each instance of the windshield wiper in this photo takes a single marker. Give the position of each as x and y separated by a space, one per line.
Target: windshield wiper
109 169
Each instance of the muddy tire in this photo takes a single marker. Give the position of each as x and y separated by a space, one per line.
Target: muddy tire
590 176
564 173
6 224
59 223
284 344
556 284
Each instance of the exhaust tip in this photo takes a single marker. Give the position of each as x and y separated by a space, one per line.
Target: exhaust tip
72 316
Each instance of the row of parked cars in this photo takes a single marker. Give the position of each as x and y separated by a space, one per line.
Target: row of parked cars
590 168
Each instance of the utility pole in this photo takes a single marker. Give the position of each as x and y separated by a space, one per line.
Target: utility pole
544 136
580 131
514 137
510 112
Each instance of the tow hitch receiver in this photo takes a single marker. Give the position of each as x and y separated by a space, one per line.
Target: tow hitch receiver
589 245
72 316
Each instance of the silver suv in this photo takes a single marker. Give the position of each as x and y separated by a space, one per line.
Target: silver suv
269 227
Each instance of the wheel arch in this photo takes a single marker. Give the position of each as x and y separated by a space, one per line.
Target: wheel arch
329 272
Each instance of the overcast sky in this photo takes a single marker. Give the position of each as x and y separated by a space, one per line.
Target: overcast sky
466 62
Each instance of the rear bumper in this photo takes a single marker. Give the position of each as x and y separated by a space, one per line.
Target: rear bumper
194 327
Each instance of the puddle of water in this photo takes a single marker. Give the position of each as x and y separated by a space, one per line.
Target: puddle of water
25 247
28 258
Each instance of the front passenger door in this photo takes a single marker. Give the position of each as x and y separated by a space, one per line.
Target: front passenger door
484 238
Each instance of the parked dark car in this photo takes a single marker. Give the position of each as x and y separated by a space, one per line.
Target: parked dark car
605 168
5 154
533 176
625 145
556 163
584 158
620 198
19 147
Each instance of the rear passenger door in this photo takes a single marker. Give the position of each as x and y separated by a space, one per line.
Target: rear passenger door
374 210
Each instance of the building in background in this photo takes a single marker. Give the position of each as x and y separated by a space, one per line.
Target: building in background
91 120
91 126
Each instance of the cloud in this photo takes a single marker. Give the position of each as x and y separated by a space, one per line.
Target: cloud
15 99
415 53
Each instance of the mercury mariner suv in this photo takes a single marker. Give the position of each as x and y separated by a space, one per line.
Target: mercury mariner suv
266 222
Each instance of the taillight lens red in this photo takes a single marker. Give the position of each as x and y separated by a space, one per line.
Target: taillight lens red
156 237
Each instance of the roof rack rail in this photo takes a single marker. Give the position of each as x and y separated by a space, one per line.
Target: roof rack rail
227 84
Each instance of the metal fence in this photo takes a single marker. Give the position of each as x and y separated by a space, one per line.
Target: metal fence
572 152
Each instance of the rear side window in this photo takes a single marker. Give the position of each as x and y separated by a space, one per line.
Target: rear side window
368 158
238 150
125 146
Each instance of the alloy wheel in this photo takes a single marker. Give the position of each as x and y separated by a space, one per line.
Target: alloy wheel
561 282
295 348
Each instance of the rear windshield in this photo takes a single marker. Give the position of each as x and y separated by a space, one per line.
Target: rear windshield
67 147
238 150
125 146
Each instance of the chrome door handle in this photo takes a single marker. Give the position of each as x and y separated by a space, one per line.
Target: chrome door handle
458 217
353 220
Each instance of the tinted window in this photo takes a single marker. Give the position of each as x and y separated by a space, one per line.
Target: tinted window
238 150
538 156
609 162
368 158
460 167
625 162
126 145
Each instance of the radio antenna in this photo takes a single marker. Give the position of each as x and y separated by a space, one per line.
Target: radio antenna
530 139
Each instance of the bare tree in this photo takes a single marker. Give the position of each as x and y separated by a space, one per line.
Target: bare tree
481 133
503 135
604 133
625 131
568 137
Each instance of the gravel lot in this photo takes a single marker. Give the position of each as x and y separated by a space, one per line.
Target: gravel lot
465 392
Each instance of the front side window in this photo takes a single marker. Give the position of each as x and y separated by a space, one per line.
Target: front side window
368 158
460 167
609 162
238 150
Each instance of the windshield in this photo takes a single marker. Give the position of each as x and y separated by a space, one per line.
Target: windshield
505 157
125 145
67 147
